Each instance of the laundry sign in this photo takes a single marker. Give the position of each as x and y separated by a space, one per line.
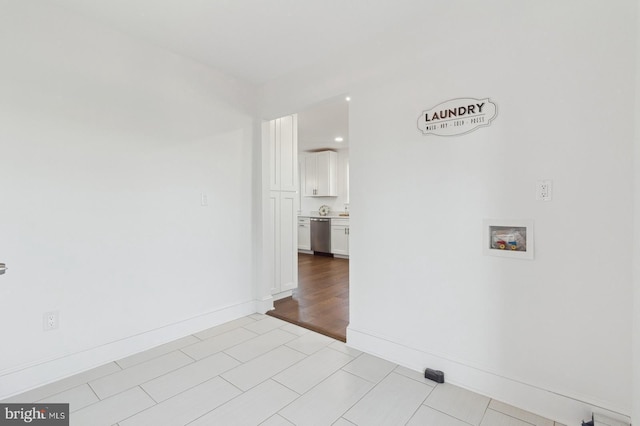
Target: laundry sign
457 116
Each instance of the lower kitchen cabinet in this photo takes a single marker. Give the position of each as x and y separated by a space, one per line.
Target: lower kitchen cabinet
304 233
340 236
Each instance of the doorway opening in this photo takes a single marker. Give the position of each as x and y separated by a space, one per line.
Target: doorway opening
320 301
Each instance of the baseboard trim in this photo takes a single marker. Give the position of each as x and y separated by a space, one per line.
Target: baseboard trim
264 305
546 403
26 378
282 295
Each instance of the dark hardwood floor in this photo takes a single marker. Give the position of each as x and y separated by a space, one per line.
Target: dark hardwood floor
321 301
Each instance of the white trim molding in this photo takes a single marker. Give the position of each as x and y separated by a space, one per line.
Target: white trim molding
544 402
28 377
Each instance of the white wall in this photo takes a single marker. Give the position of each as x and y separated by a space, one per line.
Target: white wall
532 333
106 145
337 204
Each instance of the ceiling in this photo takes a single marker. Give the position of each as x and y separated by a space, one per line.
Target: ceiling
253 40
257 41
319 125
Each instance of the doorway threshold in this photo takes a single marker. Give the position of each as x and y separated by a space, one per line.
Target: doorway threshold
321 301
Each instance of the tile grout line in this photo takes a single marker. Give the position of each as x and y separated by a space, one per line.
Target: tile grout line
449 415
285 386
259 335
68 388
231 368
184 391
166 372
327 378
268 352
508 415
344 420
194 360
230 356
141 411
190 388
314 386
148 394
95 393
367 392
110 396
44 399
93 390
219 325
485 411
421 404
193 363
413 378
237 344
326 347
241 391
222 350
224 403
137 384
303 353
375 383
334 349
187 390
171 371
359 399
180 348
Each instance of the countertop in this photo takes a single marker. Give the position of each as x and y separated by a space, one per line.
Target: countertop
329 216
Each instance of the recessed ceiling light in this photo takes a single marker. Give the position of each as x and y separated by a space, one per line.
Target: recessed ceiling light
348 98
338 139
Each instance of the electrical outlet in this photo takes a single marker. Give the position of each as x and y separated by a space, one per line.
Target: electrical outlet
50 320
544 189
204 200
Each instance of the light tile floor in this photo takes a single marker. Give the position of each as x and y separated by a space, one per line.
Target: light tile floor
258 370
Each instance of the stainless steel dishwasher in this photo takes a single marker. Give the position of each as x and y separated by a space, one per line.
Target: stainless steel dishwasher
321 235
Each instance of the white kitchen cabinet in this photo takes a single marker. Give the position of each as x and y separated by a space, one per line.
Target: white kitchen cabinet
283 206
283 153
304 233
309 176
284 203
340 236
320 174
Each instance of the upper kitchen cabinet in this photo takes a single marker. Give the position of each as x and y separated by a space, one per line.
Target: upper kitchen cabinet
320 174
283 153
